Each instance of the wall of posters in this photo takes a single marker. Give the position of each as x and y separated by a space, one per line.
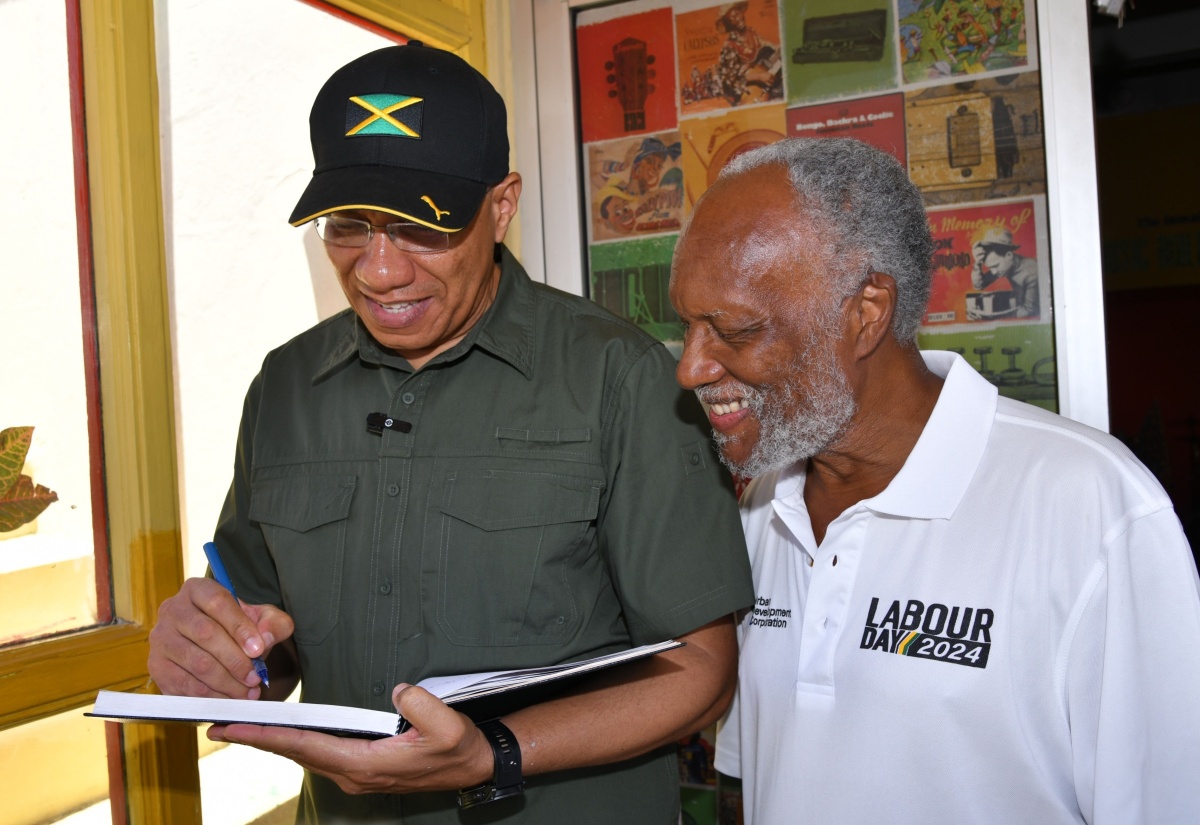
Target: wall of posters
671 90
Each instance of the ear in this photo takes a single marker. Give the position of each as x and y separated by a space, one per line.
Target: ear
503 199
872 309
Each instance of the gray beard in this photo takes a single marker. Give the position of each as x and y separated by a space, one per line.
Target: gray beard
785 439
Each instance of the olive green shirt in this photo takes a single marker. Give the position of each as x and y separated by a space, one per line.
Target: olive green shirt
544 493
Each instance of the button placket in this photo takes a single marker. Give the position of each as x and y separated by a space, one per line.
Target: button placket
830 584
395 456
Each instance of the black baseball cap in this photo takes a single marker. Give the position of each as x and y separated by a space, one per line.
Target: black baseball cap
410 130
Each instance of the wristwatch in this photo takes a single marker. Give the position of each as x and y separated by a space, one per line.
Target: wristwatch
506 779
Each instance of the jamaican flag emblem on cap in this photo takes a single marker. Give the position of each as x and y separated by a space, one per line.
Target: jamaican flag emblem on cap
384 115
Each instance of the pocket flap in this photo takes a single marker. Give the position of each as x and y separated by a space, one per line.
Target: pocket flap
506 499
301 503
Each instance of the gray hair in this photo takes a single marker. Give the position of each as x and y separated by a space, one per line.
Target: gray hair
869 215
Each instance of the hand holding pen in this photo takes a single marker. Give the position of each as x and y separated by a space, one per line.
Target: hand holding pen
222 577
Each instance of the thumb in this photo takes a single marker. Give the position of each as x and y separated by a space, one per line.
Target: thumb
432 718
273 624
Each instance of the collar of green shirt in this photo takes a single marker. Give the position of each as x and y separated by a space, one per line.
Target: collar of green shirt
506 330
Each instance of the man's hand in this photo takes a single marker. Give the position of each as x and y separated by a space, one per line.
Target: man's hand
443 750
204 640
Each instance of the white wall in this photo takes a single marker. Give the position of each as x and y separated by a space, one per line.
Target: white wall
237 81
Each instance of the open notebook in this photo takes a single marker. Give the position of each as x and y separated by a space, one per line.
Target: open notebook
479 695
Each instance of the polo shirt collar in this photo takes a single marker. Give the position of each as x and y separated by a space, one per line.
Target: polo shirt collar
937 472
506 330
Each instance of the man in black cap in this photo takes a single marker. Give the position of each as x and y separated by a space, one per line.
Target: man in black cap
468 472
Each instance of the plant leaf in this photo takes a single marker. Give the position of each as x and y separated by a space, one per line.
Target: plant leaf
23 503
14 445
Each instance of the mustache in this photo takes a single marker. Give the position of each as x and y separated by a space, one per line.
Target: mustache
753 396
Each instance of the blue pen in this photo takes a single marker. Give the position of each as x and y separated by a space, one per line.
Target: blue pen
222 577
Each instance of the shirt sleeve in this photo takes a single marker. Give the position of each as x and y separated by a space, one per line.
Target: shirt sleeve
668 527
1133 680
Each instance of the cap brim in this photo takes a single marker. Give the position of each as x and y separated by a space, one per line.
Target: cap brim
441 202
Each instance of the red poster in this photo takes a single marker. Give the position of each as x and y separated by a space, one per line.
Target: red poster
878 121
626 76
989 264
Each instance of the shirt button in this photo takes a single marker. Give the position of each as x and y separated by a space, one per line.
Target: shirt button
408 398
393 489
385 588
695 459
377 688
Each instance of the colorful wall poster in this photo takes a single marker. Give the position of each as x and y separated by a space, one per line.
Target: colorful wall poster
978 139
838 48
626 75
729 56
878 121
944 39
631 279
1018 358
990 265
710 143
635 186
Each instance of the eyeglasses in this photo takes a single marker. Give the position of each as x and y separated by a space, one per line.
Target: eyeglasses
336 230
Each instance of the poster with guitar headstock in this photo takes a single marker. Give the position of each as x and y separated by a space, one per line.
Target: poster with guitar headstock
626 75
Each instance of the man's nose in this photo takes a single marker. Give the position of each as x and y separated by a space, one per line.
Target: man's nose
696 369
382 266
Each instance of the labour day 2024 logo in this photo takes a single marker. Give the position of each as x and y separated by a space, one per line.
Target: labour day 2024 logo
958 635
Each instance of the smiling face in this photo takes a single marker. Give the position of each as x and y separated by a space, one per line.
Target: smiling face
762 346
646 173
421 304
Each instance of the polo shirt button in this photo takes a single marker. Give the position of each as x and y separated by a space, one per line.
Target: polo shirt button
408 398
377 688
385 588
695 459
393 489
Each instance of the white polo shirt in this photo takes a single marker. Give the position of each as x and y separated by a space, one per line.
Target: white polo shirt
1009 633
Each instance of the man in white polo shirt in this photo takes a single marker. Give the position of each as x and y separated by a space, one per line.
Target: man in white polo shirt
968 609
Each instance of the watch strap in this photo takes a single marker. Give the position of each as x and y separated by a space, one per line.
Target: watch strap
506 777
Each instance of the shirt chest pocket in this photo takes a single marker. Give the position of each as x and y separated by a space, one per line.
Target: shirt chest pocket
513 554
303 519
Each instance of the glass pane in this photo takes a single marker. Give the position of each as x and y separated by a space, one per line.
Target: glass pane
47 571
